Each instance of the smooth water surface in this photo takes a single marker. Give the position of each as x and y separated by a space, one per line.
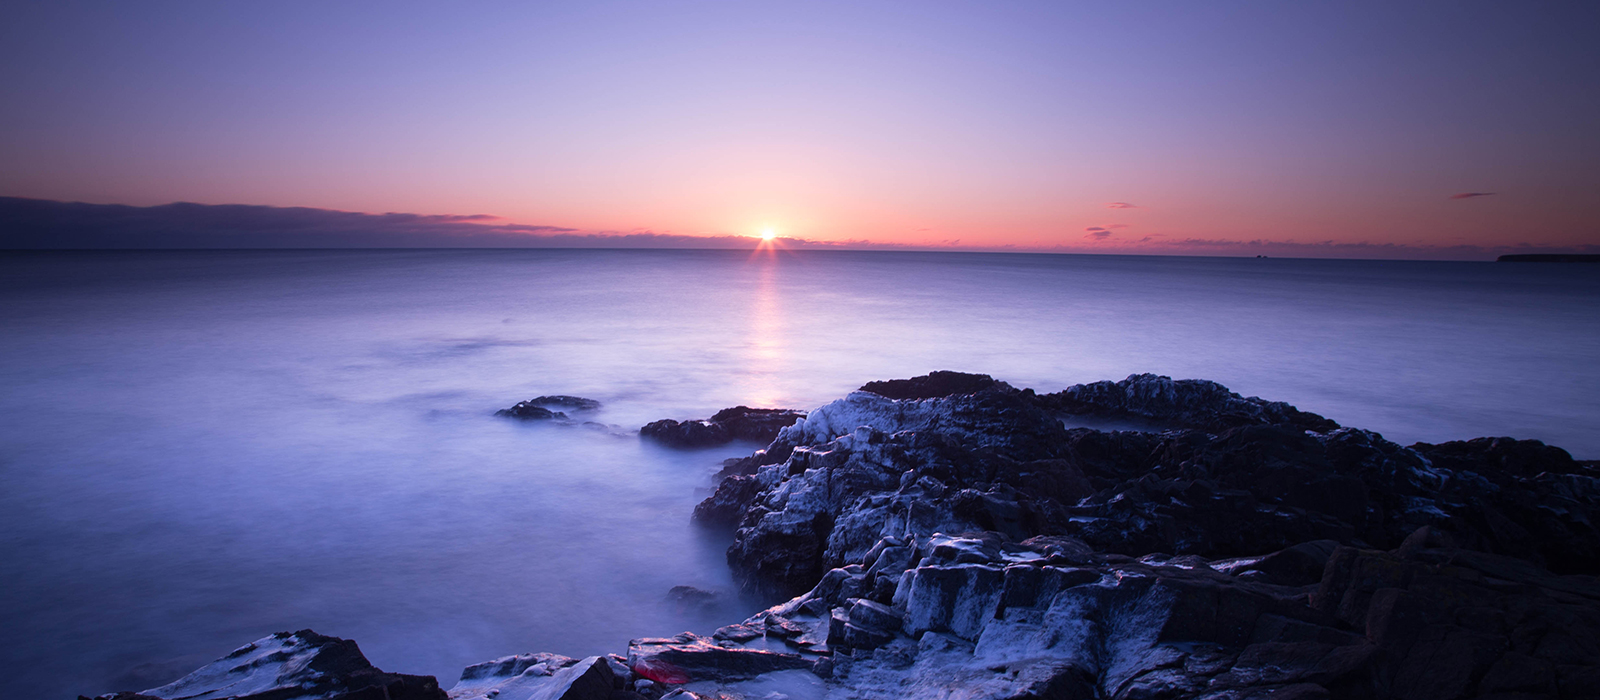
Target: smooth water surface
201 448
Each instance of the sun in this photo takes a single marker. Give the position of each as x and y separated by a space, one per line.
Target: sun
768 234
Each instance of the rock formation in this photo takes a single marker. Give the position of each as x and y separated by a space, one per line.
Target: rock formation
543 407
292 665
729 424
946 536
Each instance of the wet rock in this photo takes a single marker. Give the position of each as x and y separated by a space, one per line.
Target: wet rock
293 666
548 407
756 424
526 411
573 403
691 433
689 657
544 676
729 424
728 505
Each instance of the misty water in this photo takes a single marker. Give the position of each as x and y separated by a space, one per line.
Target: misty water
201 448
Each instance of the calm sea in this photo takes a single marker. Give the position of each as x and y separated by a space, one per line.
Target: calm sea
201 448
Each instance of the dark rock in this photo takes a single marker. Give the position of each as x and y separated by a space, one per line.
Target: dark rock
874 615
692 433
575 403
756 424
294 665
729 503
1300 565
1182 403
729 424
934 385
545 407
689 657
1500 456
527 411
1294 557
688 599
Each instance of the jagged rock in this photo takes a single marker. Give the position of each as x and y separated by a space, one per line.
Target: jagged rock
729 424
540 677
300 665
727 506
1245 504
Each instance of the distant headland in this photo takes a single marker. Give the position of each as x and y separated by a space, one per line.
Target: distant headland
1550 257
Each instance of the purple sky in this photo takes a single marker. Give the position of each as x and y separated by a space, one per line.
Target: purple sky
1131 127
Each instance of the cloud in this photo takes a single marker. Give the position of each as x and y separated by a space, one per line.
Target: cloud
43 224
46 224
1121 205
1470 195
1150 245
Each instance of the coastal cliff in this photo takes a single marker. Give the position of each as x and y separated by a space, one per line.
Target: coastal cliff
950 536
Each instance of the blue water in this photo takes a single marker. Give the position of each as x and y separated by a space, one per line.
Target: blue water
201 448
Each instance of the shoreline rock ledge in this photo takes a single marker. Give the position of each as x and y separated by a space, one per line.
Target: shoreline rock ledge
948 536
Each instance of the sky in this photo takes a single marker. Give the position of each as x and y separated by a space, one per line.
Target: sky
1320 129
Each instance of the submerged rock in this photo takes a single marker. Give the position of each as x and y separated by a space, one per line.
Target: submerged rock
300 665
543 407
729 424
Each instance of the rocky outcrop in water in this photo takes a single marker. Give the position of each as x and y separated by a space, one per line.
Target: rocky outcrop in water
729 424
544 407
868 467
946 536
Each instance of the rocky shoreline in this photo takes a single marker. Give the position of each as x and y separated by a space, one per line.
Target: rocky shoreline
948 536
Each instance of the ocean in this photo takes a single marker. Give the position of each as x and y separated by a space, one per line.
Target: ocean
200 448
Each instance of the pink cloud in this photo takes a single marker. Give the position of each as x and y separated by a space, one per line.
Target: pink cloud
1470 195
1121 205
